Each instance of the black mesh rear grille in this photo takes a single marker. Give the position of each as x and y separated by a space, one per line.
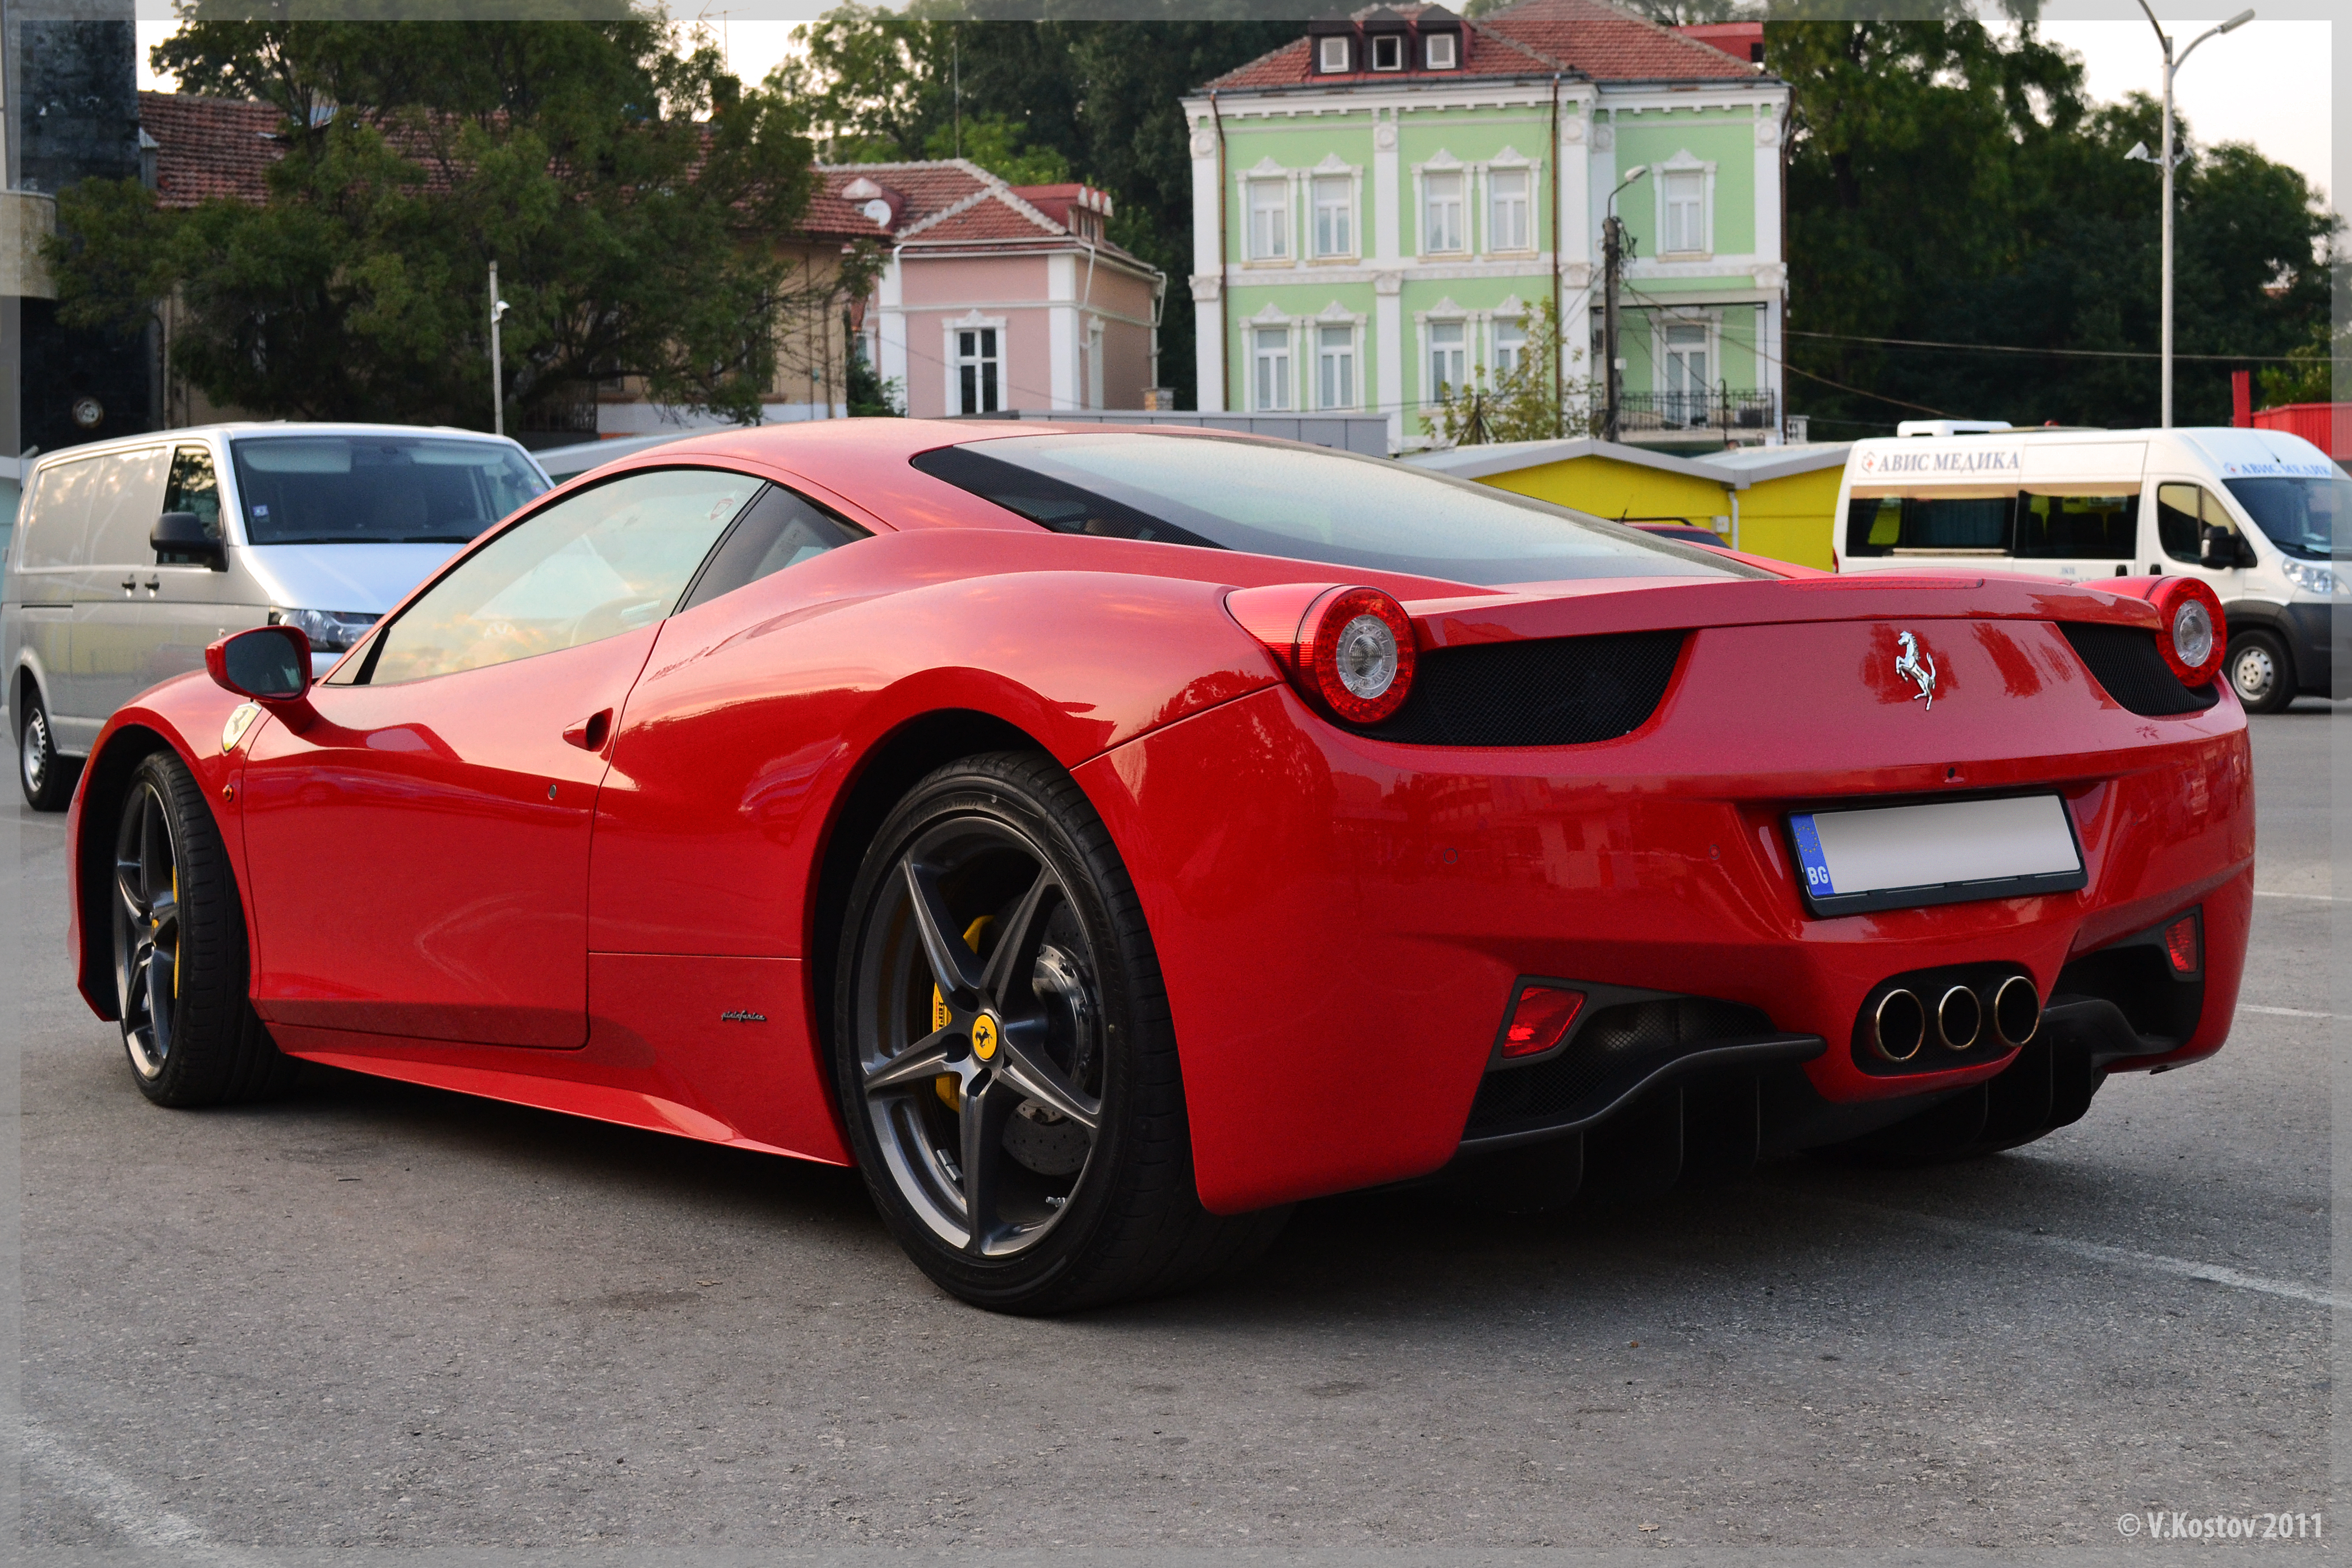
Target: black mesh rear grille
2127 663
1555 691
1617 1049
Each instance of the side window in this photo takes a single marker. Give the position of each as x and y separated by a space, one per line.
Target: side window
1917 525
1873 525
193 488
2077 528
57 519
126 496
777 530
593 565
2181 511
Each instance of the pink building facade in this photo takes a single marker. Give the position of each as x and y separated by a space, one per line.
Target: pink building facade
998 297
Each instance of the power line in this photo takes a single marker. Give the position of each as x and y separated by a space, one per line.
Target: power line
2066 354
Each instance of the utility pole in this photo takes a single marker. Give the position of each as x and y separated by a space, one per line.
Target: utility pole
497 375
1612 264
2140 152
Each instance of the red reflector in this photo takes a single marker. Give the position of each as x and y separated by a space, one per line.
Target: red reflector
1539 1018
2180 944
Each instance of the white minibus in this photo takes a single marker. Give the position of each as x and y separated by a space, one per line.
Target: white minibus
2253 512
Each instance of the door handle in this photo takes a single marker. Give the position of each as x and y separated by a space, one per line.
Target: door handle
589 733
130 585
154 585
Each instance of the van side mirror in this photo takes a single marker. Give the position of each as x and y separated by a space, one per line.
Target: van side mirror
270 665
2221 548
180 540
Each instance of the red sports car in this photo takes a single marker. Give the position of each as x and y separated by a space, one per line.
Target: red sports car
1103 838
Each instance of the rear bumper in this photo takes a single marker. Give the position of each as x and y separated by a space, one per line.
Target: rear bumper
1340 922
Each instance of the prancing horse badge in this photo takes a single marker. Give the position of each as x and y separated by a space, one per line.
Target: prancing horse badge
1908 667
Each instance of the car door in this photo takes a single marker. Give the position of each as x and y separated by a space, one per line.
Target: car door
117 630
418 850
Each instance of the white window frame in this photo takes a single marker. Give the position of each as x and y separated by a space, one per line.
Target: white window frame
1255 233
1432 381
953 358
1321 184
1495 331
1527 240
1663 325
1395 41
1453 42
1679 169
1324 52
1461 236
1284 398
1352 354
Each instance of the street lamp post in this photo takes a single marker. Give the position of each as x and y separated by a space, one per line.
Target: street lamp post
2139 151
498 371
1612 261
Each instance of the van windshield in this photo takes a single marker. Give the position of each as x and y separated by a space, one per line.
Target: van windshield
376 490
2299 515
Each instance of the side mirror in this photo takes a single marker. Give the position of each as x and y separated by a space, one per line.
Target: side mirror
270 665
2219 549
180 537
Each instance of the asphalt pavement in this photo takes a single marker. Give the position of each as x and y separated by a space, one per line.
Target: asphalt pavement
372 1314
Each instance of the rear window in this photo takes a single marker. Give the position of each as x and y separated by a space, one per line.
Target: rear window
1306 503
376 490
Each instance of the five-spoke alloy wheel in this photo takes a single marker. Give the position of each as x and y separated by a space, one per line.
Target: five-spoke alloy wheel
1004 1054
180 972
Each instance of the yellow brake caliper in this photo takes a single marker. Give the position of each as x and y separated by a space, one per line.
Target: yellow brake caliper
951 1094
175 946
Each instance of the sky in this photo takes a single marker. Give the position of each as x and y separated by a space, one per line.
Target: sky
2268 83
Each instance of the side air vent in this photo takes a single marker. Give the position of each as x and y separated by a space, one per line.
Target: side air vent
1554 691
2125 661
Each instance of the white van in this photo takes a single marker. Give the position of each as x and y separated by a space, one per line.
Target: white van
130 555
2253 512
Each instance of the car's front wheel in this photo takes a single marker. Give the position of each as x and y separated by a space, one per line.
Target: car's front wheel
1003 1055
180 969
2259 671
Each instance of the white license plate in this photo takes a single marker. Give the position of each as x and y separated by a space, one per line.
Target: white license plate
1893 857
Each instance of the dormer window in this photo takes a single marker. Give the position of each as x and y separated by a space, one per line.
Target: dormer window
1388 52
1443 51
1331 55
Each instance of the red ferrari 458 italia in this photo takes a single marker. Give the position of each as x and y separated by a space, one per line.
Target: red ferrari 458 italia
1104 838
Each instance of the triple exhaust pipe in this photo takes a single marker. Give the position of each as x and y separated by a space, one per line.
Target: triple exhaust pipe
1900 1025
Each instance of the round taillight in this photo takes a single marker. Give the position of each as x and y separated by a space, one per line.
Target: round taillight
2193 634
1359 657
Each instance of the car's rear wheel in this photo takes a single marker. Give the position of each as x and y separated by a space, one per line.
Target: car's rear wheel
2260 673
1004 1054
179 949
47 778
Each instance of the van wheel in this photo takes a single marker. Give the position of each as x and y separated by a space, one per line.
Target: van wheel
49 778
2260 672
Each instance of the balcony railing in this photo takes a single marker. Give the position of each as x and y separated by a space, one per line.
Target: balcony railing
1733 411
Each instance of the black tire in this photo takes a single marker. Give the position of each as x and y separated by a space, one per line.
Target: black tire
46 777
2260 670
970 1092
178 925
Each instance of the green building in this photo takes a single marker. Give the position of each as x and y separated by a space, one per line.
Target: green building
1379 206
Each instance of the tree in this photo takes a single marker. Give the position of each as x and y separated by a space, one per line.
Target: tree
1105 97
629 189
1524 402
1949 182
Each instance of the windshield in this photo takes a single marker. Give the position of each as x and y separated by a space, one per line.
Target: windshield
1309 504
377 490
2299 515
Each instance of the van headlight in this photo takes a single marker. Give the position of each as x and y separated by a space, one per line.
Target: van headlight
330 631
2312 576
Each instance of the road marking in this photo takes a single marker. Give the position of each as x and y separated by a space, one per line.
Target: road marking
135 1513
2314 897
2119 1256
2282 1012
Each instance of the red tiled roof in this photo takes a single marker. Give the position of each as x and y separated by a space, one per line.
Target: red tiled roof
208 147
1535 37
943 201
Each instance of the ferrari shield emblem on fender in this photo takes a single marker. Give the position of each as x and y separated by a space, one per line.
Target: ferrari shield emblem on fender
1908 667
